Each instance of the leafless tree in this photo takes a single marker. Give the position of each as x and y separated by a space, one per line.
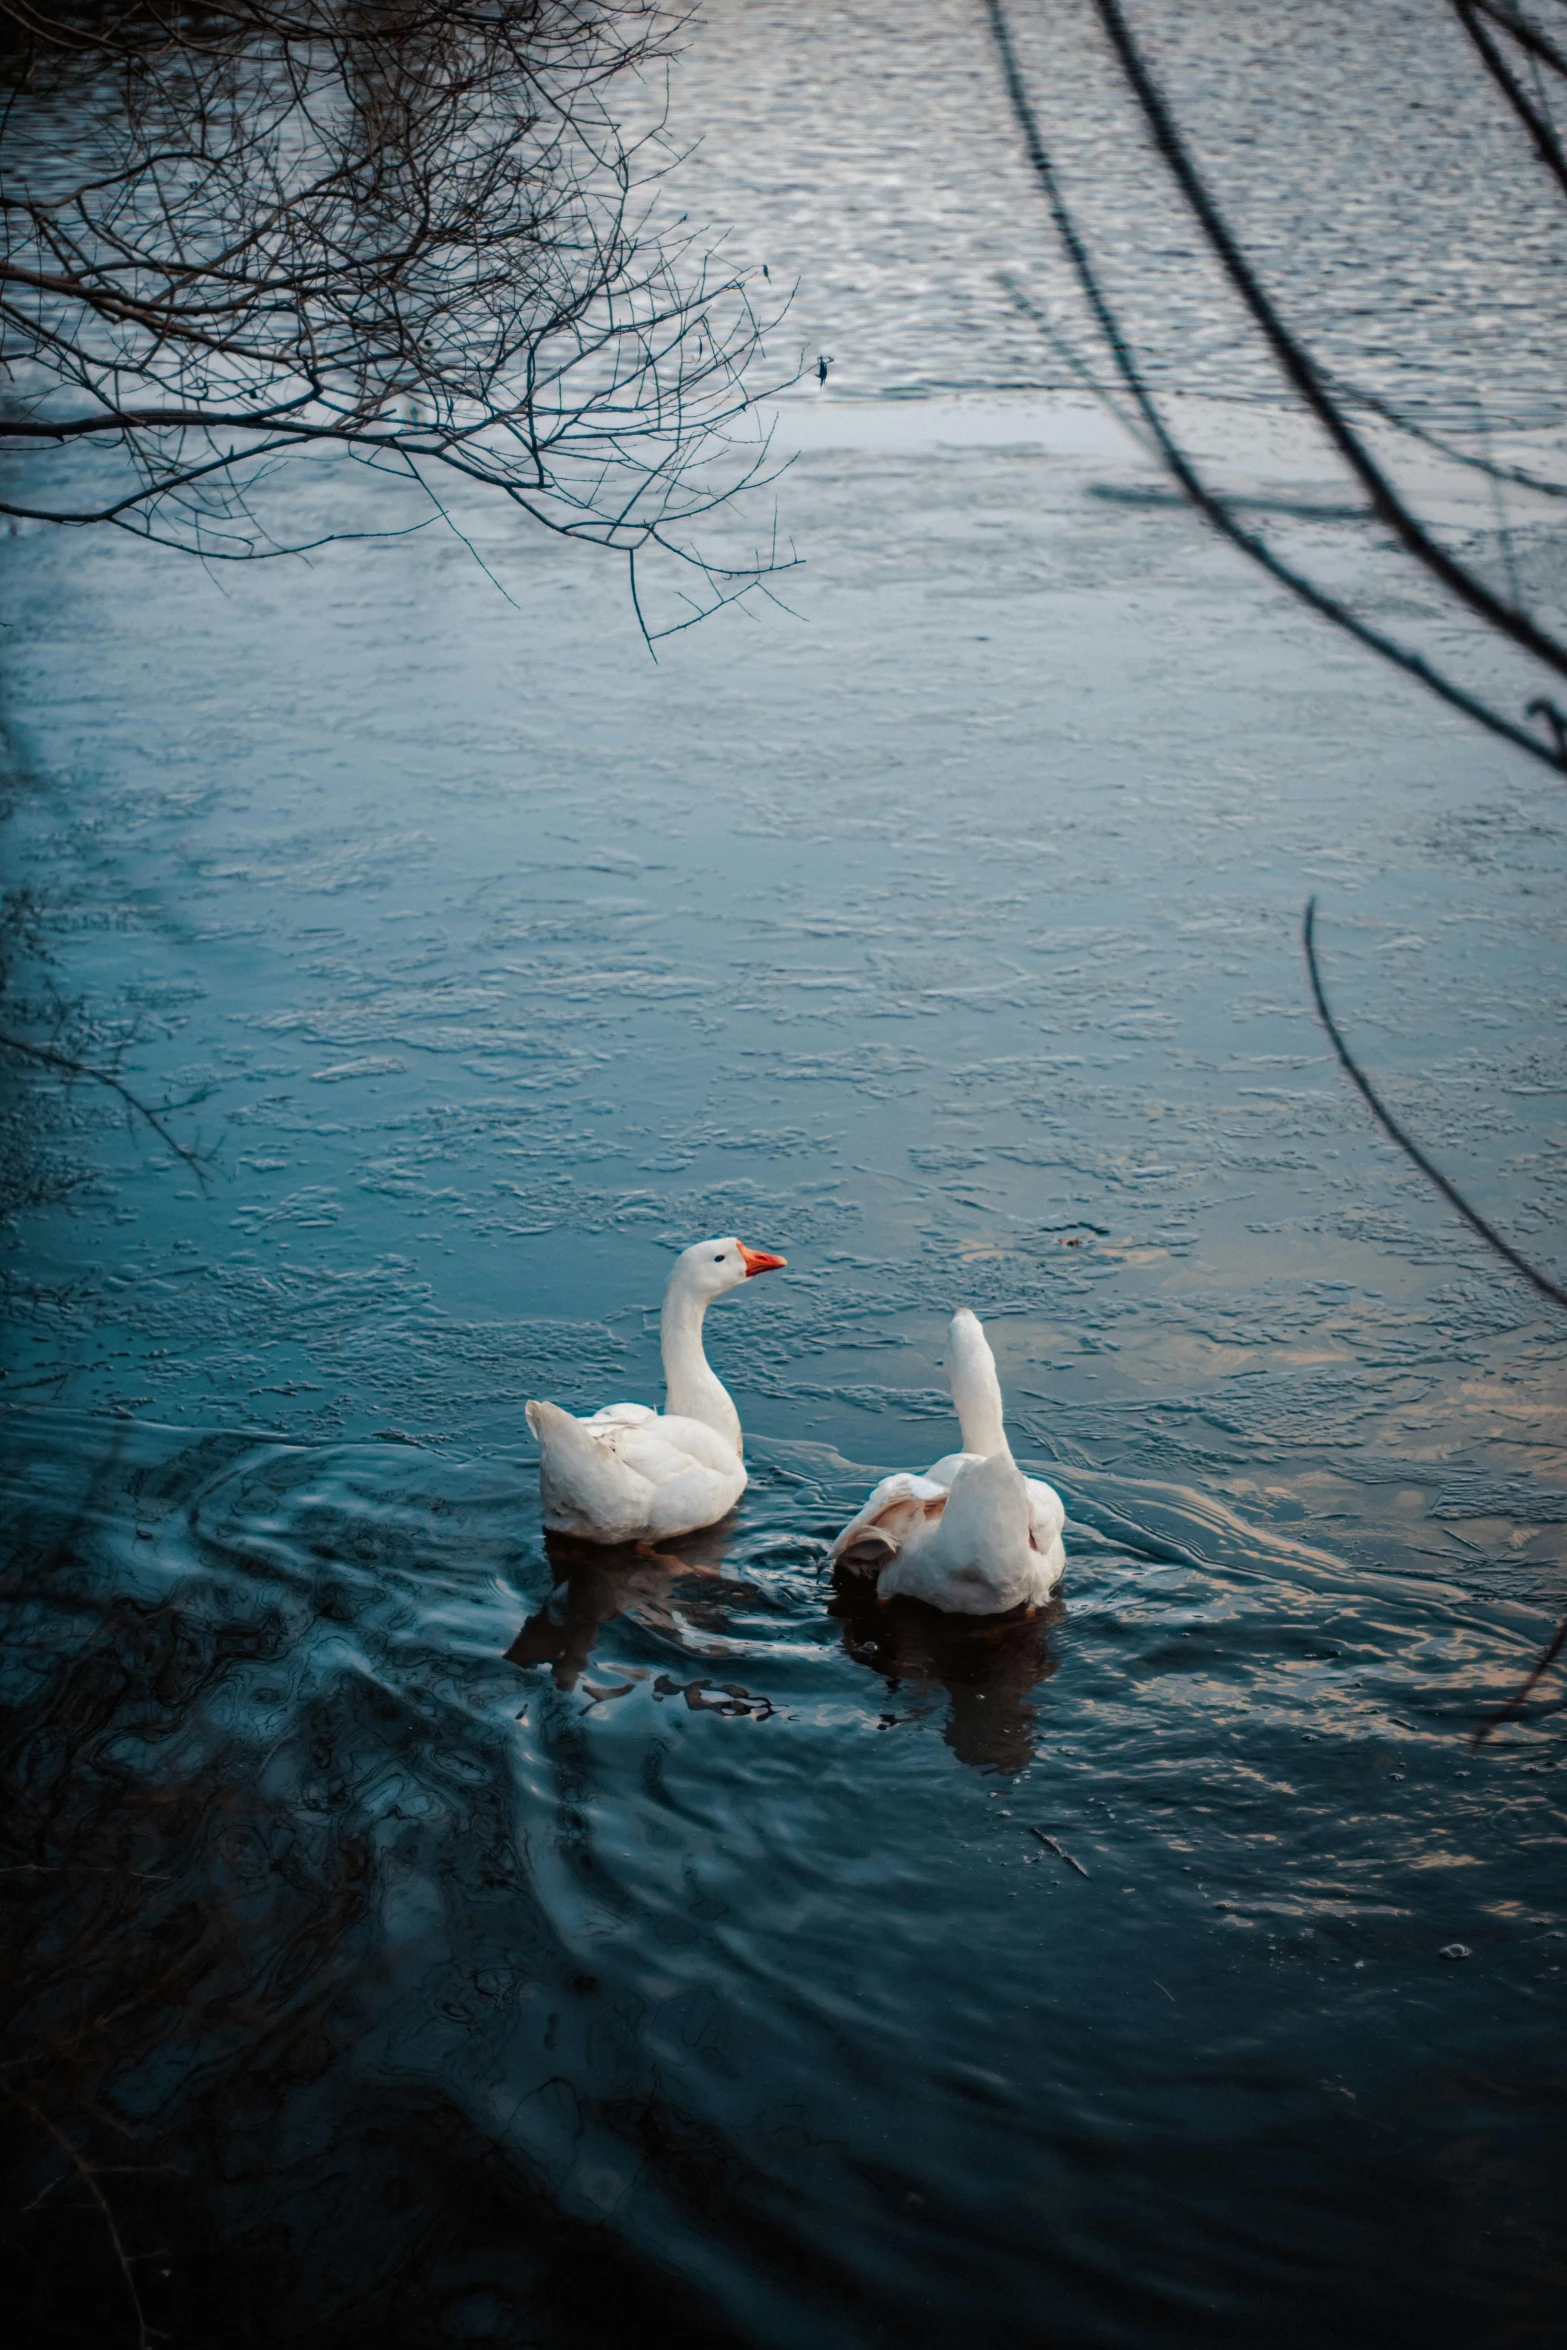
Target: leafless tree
406 236
407 233
1524 53
1340 411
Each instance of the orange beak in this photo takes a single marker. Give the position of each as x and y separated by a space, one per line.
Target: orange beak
757 1260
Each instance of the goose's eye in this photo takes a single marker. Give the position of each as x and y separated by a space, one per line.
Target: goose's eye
718 1260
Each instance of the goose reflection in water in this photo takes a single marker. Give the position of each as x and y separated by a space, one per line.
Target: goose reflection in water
674 1591
988 1665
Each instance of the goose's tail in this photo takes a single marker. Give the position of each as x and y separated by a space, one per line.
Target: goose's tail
586 1489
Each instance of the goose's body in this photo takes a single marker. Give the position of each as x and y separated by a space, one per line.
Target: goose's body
973 1535
630 1474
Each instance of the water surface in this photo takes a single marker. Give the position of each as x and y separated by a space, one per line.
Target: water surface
480 1942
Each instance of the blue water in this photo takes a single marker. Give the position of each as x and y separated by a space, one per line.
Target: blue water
446 1937
712 1922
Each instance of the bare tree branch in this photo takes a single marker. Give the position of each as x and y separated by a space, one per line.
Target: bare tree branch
1301 371
1521 1695
1406 1143
1181 467
1328 399
376 229
45 1056
1472 15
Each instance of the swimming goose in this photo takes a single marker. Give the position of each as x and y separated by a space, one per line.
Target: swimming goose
973 1535
630 1474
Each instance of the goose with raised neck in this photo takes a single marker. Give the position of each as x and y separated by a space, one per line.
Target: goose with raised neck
972 1536
692 1388
627 1473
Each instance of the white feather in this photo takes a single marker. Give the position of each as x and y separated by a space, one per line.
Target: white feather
629 1474
973 1535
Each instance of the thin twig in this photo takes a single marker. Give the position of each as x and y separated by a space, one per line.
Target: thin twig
199 1164
1515 1704
636 603
1492 1238
1406 1143
1059 1850
86 2173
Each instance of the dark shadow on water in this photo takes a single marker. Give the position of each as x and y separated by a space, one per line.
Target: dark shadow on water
340 2010
211 2097
989 1666
670 1590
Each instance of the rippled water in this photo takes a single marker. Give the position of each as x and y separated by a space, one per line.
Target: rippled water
648 1953
446 1938
863 151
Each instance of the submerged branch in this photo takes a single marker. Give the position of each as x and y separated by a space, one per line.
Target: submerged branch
88 2172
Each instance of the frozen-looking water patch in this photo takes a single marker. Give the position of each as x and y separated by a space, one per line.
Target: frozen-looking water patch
1061 425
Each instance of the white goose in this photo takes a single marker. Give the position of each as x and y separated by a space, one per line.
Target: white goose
630 1474
973 1535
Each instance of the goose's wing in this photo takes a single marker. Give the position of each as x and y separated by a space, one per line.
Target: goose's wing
629 1474
1046 1514
880 1530
697 1497
693 1474
977 1559
1046 1518
943 1471
587 1489
694 1438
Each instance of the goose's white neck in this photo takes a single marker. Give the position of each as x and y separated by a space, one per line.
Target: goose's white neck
971 1372
692 1388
